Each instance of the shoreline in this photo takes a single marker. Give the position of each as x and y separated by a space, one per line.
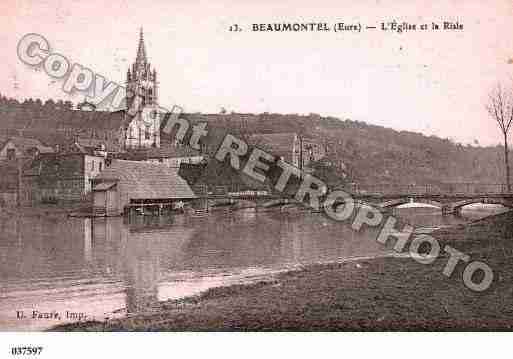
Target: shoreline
50 210
386 293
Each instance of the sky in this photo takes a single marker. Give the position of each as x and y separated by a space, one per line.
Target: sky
434 82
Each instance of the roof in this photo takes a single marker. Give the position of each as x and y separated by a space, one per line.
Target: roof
104 186
88 145
84 145
169 151
147 180
173 152
23 144
141 50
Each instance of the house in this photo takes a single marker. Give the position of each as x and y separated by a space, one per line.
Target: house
64 175
261 130
16 147
126 183
297 150
174 156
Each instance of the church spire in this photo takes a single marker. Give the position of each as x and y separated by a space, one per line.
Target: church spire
142 96
141 78
141 50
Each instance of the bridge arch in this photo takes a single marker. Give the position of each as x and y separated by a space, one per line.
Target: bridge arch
225 202
405 200
276 202
243 204
457 206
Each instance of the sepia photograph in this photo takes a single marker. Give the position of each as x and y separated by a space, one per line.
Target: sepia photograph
254 166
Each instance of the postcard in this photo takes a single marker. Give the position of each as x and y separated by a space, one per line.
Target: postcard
253 166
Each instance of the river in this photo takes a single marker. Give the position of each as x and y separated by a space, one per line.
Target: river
108 267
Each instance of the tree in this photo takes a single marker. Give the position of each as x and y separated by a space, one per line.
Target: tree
49 104
68 105
500 108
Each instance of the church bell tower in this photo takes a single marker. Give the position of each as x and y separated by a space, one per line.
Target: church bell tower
142 86
141 79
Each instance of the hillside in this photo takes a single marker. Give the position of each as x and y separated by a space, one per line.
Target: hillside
375 154
371 154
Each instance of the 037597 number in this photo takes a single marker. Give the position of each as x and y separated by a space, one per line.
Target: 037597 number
26 350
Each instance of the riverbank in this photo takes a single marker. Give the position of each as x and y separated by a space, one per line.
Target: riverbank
48 210
376 294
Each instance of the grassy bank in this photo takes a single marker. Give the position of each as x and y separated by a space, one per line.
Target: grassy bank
378 294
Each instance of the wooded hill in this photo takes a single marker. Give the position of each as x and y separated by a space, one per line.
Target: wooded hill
375 154
369 153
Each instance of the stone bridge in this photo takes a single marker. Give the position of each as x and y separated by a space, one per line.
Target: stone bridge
450 197
236 198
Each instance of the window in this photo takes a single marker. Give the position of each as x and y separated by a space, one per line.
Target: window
147 133
11 154
101 165
92 165
150 95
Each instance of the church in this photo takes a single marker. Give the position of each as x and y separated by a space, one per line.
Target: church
119 131
143 128
137 126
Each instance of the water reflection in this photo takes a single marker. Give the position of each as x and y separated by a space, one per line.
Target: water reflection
111 267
